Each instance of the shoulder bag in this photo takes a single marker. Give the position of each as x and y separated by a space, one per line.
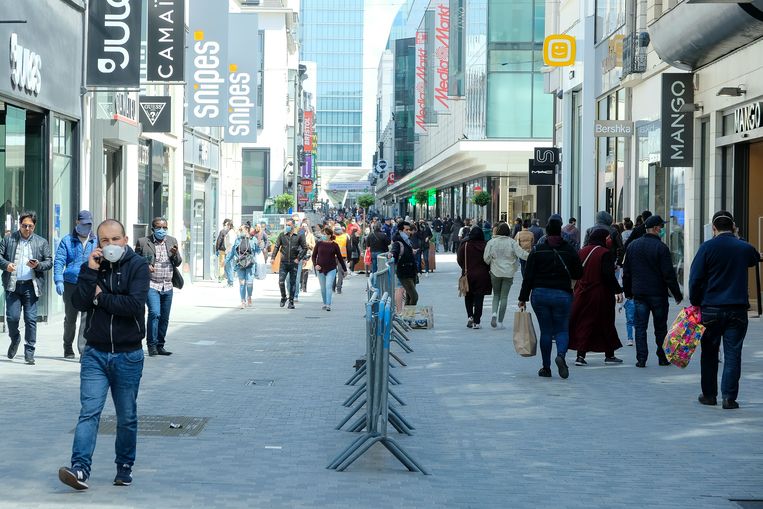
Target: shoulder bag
463 281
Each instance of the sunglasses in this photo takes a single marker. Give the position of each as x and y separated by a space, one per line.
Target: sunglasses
27 226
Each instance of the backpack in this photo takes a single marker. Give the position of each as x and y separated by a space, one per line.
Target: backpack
244 252
220 243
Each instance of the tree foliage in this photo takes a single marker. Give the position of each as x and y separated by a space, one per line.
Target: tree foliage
481 199
284 202
365 200
421 197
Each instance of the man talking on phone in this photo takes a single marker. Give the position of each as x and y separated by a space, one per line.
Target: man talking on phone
112 287
24 258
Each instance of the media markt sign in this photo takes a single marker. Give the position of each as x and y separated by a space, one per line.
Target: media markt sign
155 114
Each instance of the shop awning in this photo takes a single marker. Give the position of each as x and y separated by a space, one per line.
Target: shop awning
692 35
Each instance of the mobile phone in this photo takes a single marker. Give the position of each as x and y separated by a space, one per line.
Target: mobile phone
33 260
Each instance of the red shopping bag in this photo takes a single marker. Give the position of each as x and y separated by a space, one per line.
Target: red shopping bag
367 258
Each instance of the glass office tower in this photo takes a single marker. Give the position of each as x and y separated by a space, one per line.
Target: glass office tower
332 36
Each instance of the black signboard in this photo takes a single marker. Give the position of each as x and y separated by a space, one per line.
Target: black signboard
165 40
544 166
113 44
155 114
676 138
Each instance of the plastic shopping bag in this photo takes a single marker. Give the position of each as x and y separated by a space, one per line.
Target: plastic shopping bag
684 336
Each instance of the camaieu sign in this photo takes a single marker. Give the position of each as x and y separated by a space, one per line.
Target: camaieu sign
676 147
165 40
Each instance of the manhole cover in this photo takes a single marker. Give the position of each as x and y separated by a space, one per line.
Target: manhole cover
749 504
312 317
158 425
261 382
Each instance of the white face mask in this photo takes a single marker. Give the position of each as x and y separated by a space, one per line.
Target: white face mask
113 252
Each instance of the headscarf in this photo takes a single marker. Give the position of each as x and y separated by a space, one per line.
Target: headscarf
476 233
598 237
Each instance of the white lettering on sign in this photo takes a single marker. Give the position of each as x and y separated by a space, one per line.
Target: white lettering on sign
168 38
677 121
108 65
747 118
26 68
613 128
442 45
240 105
125 107
207 79
421 81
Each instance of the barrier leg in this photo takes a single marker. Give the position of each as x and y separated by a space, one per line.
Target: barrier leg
359 425
405 458
357 376
397 398
399 425
355 395
394 411
393 379
351 449
351 414
358 452
398 359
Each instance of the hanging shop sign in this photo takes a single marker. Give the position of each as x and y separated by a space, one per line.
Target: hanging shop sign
544 166
306 170
748 117
155 114
420 93
441 55
677 133
113 44
125 107
559 50
165 40
243 66
308 131
206 69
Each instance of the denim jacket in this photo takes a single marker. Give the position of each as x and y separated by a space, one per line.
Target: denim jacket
70 256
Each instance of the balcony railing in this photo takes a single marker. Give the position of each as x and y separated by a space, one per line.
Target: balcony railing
634 55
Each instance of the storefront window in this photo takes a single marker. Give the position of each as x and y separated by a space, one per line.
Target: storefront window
144 184
62 189
610 15
677 219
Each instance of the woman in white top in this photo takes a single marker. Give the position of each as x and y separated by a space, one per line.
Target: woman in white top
502 254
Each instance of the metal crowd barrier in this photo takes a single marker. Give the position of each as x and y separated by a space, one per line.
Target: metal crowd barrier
379 412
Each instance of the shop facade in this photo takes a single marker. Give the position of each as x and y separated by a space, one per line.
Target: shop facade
40 119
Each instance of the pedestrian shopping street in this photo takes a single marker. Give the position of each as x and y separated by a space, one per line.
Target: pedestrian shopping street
488 429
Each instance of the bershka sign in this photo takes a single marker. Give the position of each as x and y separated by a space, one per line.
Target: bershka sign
113 44
165 40
243 66
748 117
613 128
421 83
309 129
677 133
155 113
26 68
544 166
441 50
206 69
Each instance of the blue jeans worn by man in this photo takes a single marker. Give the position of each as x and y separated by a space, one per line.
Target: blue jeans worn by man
159 306
658 307
375 260
22 297
727 323
552 307
100 371
327 284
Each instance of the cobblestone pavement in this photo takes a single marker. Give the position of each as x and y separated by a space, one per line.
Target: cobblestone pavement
490 431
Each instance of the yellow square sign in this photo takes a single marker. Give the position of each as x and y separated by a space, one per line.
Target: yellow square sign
559 50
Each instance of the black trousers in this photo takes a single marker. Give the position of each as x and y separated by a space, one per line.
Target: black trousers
290 269
70 321
474 302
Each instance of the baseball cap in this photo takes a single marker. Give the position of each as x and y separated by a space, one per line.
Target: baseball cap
85 217
653 221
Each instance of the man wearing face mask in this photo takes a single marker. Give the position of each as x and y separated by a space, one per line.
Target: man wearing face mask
648 275
161 252
72 252
24 256
111 288
293 249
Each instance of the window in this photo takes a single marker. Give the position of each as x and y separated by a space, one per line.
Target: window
254 181
610 15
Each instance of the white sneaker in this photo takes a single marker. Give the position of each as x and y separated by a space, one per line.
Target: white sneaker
476 326
328 308
500 325
630 342
494 321
323 307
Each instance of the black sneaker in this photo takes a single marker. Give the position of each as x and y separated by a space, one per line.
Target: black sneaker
580 361
544 372
706 400
561 364
613 360
664 362
69 355
153 351
730 404
13 348
291 304
74 477
29 359
283 302
640 364
124 475
161 351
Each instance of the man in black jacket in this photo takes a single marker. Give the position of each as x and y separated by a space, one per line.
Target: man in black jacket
640 230
648 275
378 243
293 248
111 288
405 262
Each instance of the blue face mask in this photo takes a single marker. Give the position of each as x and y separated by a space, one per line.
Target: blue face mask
404 235
160 233
287 229
83 230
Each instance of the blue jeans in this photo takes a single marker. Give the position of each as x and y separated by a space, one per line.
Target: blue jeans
327 286
729 323
245 282
159 305
552 308
297 280
630 314
375 260
658 306
229 272
100 371
25 297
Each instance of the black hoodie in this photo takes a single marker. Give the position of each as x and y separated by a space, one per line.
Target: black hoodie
117 324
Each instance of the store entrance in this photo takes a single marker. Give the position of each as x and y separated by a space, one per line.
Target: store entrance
112 171
667 192
754 228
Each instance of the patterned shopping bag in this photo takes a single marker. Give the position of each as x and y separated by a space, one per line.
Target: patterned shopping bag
683 336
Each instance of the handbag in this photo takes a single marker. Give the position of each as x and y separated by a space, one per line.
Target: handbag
463 281
572 281
525 340
684 336
177 279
